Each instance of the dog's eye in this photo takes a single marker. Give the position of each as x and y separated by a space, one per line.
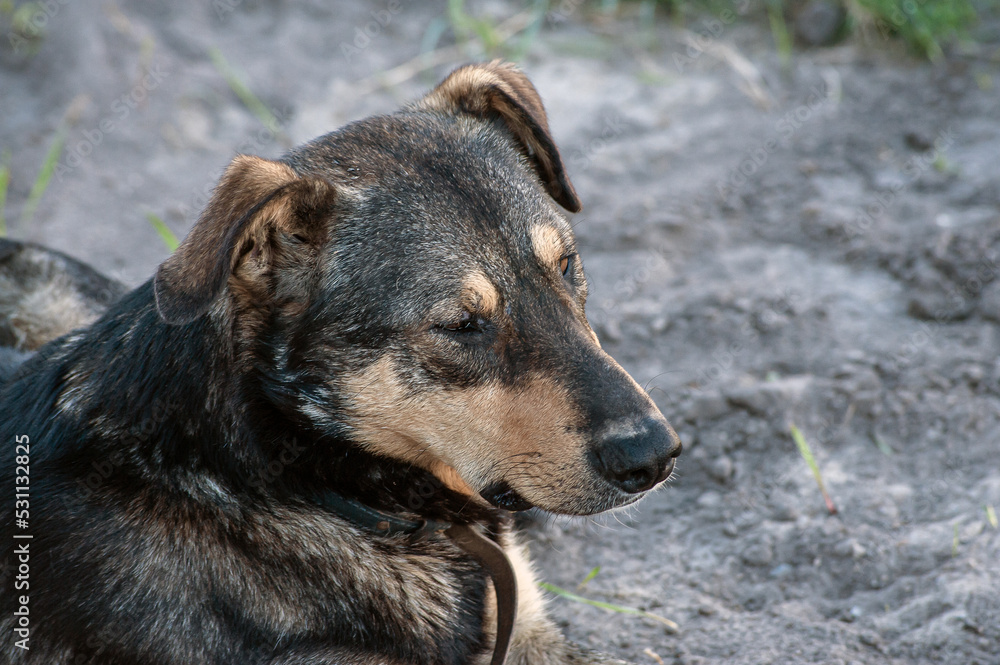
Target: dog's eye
565 262
465 323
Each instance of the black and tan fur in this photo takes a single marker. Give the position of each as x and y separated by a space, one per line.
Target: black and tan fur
394 311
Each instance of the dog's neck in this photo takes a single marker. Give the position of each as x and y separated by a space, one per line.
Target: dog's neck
483 549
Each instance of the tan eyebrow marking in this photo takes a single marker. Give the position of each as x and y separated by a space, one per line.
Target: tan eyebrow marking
478 293
548 244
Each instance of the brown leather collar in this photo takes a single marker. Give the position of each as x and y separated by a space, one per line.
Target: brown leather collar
487 554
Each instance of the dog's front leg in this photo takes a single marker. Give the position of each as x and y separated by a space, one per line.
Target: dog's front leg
537 640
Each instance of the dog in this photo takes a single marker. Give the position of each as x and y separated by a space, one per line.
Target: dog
302 441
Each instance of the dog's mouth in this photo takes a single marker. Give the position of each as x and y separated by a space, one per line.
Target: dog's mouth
502 495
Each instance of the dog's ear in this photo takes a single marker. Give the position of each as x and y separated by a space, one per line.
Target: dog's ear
254 199
499 89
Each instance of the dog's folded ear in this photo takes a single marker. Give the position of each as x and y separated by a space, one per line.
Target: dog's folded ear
499 89
254 199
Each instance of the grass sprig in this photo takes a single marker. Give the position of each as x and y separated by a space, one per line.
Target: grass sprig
168 236
242 90
610 607
807 455
44 175
4 183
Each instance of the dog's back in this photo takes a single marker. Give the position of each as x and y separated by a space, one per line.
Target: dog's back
44 294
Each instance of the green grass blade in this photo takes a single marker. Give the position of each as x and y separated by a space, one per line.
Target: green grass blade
991 516
459 20
541 8
4 183
621 609
168 237
779 29
806 452
883 447
591 575
250 100
44 176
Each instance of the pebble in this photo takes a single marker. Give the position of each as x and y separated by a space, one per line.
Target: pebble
709 500
781 570
707 406
784 509
721 469
758 553
819 22
918 140
849 547
989 301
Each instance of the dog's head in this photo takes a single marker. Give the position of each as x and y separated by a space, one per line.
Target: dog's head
409 282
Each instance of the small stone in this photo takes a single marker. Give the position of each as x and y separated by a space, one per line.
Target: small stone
918 141
938 307
707 406
819 22
849 547
784 509
721 469
781 570
989 301
709 500
758 553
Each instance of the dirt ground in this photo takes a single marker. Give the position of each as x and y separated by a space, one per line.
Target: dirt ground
816 244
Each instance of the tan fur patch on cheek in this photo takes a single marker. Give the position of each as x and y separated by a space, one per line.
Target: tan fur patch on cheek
484 434
479 295
547 244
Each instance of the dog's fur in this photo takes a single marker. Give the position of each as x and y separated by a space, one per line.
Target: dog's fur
45 294
394 311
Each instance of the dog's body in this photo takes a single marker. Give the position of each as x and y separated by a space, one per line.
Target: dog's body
394 313
45 294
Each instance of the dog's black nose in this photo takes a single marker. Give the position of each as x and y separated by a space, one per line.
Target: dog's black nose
636 457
